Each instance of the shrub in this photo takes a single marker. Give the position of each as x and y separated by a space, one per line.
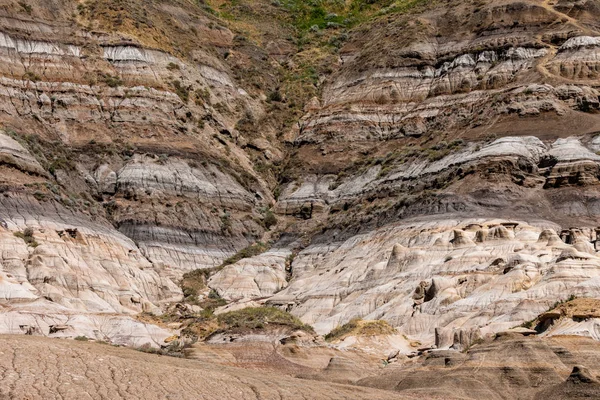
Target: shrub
26 7
194 281
270 219
27 236
226 222
162 159
277 192
182 91
39 195
31 76
275 96
82 338
342 330
111 81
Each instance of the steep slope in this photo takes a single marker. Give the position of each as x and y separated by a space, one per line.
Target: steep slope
414 89
122 165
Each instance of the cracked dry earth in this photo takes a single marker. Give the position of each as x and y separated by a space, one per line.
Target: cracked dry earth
36 368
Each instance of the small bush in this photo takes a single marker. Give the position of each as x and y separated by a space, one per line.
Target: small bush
26 7
182 91
82 338
226 222
111 81
31 76
162 159
194 281
270 219
27 236
275 96
172 66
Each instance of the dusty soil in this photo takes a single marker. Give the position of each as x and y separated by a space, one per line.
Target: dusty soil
38 368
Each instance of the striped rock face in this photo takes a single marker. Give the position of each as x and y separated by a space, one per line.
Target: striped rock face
121 168
433 164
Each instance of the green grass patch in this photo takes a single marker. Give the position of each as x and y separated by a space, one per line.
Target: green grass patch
312 15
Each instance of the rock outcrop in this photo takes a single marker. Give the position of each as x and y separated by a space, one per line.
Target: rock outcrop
462 276
253 278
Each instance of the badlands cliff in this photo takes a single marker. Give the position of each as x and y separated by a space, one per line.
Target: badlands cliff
431 164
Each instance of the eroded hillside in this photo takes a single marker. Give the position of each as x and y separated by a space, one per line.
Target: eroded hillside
429 163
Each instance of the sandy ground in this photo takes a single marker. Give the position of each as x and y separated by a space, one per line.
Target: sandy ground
40 368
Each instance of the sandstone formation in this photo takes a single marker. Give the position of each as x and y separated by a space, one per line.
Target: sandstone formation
255 277
507 367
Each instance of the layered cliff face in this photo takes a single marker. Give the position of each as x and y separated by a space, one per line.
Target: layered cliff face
446 112
122 161
415 91
403 160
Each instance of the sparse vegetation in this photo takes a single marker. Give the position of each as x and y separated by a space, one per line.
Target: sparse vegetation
26 7
27 236
563 301
247 252
194 281
358 327
260 318
289 261
31 76
343 330
173 349
316 15
275 96
182 91
110 80
162 159
532 323
269 219
226 222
